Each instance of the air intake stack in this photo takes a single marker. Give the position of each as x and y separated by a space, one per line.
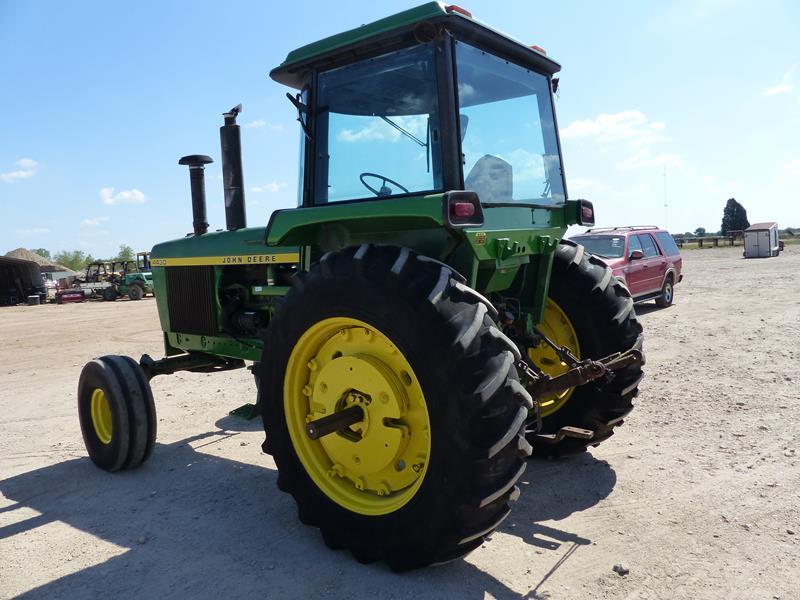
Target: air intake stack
232 175
197 164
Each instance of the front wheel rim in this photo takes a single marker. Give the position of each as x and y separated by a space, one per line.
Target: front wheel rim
101 416
377 465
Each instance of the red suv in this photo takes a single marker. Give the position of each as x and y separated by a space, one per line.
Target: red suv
644 258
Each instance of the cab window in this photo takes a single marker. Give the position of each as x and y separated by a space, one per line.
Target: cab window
377 128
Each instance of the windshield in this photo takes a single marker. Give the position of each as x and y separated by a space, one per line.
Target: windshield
607 246
508 134
377 129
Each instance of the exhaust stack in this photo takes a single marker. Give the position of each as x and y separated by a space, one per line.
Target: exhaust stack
232 175
197 164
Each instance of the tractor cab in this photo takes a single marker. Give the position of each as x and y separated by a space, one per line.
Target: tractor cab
422 103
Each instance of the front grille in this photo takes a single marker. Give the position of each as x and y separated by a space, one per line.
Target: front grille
190 298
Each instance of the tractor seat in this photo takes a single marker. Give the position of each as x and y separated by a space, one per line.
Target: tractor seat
492 179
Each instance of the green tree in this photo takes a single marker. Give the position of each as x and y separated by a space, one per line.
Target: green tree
41 252
700 231
125 253
72 259
734 217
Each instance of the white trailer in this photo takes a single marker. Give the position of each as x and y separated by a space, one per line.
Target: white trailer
761 240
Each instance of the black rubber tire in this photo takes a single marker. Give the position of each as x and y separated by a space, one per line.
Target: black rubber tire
135 291
476 405
667 293
110 293
601 311
133 412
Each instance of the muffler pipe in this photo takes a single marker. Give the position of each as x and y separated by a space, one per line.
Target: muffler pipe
232 175
197 164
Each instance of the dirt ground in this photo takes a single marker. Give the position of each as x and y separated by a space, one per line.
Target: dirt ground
698 494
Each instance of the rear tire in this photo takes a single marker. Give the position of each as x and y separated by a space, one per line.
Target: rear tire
667 293
116 412
601 312
110 293
464 368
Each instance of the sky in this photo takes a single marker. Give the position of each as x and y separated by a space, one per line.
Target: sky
692 101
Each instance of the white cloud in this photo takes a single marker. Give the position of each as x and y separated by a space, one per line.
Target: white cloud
585 186
272 187
27 169
781 88
644 158
629 126
791 170
12 176
527 165
784 86
261 124
133 196
465 90
378 129
27 163
33 231
94 222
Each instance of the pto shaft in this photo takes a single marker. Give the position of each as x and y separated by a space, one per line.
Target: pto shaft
335 422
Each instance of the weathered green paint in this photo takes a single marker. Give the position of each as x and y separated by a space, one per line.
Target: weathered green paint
246 349
219 243
359 34
303 226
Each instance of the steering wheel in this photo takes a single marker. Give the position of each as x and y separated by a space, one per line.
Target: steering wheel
384 191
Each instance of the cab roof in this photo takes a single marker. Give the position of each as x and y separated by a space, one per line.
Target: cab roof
385 33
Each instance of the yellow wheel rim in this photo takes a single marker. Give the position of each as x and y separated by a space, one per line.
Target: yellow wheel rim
377 465
101 416
556 326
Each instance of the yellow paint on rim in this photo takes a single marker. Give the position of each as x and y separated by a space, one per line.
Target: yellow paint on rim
101 416
557 327
377 465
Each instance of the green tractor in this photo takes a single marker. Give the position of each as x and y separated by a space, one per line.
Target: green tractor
131 278
417 328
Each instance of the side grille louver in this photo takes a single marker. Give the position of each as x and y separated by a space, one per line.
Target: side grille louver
190 293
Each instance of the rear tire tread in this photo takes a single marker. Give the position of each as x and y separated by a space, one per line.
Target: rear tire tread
486 399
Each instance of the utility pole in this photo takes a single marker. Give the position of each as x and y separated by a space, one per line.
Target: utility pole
666 224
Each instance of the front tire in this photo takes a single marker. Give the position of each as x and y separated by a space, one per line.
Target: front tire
110 293
373 310
135 292
599 310
116 412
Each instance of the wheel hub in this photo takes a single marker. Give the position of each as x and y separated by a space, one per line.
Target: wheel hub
376 464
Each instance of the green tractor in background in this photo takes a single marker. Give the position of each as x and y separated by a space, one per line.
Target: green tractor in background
417 326
131 278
